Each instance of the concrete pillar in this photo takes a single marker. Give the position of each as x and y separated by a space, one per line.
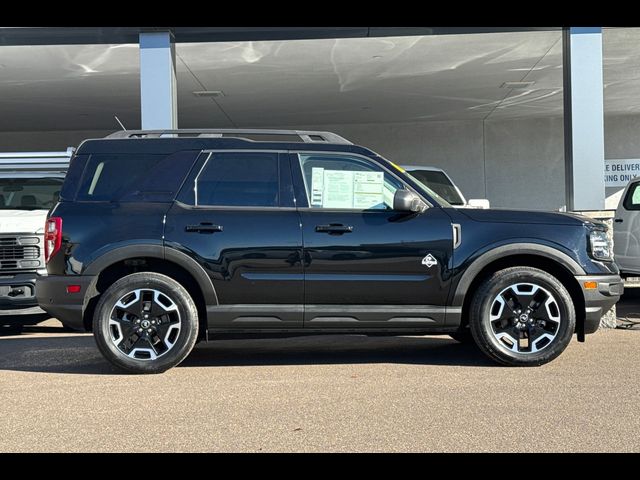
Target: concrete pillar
583 118
584 130
158 81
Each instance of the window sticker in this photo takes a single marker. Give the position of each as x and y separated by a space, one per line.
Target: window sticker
347 189
368 190
317 182
338 189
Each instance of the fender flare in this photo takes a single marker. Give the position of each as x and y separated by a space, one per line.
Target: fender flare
160 252
505 251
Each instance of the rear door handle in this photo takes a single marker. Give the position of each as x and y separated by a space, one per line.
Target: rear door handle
618 220
203 228
334 228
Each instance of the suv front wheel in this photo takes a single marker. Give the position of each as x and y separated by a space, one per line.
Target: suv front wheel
522 316
145 323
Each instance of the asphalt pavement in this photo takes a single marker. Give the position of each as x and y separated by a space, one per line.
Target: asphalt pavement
331 393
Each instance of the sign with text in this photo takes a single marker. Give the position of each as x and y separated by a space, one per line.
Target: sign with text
361 190
617 173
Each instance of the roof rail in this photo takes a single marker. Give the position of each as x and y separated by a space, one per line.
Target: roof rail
305 136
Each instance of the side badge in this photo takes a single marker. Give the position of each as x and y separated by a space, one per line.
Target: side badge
429 261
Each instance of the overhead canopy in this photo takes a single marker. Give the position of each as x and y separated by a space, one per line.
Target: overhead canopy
280 83
101 35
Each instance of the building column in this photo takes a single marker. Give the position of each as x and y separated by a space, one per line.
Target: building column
583 118
584 130
158 81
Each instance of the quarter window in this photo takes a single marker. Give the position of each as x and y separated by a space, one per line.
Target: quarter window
133 177
346 182
239 179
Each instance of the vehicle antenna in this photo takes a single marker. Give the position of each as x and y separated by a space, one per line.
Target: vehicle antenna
119 122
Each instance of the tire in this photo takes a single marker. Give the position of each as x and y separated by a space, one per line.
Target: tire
499 317
463 335
145 323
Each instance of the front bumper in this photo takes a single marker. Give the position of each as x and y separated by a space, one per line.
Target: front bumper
598 301
52 296
17 291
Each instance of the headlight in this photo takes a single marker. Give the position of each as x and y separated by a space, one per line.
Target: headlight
600 245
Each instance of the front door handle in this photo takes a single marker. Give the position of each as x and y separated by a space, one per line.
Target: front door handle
618 220
203 228
334 229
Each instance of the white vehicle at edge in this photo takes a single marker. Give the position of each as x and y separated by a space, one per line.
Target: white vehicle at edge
30 183
626 230
437 180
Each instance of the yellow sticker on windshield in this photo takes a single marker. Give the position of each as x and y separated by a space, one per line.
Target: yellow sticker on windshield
397 167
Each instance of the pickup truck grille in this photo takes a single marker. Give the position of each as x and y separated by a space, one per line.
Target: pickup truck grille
12 252
8 241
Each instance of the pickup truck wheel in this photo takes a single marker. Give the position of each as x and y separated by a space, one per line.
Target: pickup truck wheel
145 323
522 316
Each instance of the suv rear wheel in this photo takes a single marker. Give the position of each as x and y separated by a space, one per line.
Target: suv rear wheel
522 316
145 323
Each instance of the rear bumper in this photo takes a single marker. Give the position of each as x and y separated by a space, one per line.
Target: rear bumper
598 301
52 296
18 291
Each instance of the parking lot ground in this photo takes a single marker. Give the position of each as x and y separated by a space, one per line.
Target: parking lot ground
332 393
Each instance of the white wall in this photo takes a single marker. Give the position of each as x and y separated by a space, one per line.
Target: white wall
56 141
454 146
520 162
518 154
525 163
513 163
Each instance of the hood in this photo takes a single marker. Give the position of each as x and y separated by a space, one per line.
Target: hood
22 221
496 215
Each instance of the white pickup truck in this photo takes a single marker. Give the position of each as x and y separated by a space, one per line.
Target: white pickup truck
29 186
439 182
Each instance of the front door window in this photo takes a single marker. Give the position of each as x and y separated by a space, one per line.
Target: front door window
345 182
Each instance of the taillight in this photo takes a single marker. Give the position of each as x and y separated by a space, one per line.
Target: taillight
52 237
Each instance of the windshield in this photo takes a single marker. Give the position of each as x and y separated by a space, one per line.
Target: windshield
439 183
29 193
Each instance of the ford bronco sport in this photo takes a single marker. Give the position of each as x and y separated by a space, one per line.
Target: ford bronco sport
164 238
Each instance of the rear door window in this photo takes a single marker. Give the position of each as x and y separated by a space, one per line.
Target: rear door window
134 177
239 179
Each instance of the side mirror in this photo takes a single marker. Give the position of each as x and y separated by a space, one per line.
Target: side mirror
406 201
479 203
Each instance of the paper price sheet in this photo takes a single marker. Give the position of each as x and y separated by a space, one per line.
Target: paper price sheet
346 189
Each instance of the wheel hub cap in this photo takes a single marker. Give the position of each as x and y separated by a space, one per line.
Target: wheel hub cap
144 324
525 318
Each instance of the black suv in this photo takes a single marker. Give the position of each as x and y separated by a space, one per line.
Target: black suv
162 238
